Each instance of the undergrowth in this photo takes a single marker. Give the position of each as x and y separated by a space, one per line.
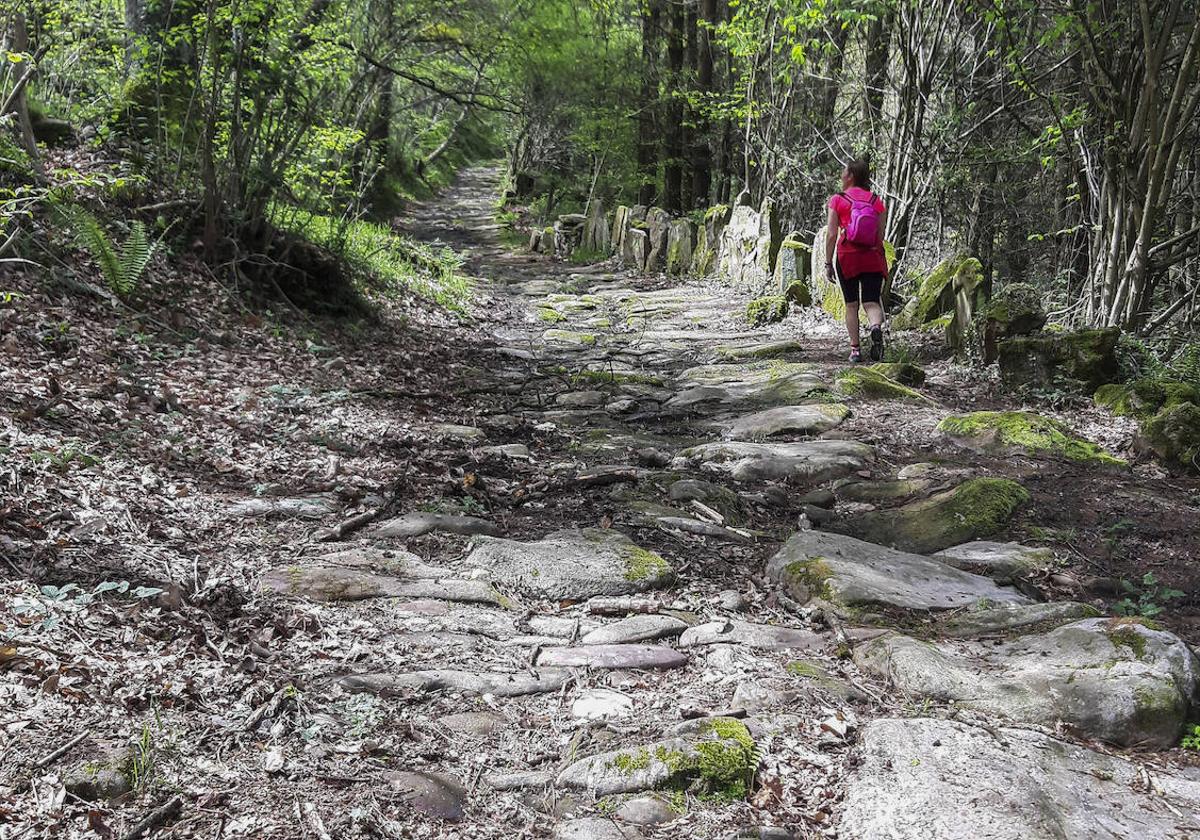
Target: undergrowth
385 262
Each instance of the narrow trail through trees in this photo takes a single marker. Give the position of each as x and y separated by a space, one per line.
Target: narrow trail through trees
653 639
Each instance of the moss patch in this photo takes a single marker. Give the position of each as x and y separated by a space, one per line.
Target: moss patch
1143 398
1023 430
770 309
973 510
1174 435
550 315
809 578
569 337
868 383
906 373
641 564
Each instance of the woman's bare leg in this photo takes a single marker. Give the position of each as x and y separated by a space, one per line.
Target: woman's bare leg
852 322
874 314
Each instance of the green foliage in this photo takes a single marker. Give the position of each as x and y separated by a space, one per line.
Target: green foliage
1147 599
386 263
1191 738
122 268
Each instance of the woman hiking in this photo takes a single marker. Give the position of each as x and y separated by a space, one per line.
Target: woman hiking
855 227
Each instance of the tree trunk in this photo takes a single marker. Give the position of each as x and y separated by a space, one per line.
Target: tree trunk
647 141
673 130
701 141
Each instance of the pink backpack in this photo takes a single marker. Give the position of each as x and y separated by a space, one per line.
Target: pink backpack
863 228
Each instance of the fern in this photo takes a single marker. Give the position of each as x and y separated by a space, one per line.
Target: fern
122 269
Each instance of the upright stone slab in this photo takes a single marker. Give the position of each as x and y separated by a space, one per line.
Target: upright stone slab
791 269
658 225
635 249
825 294
620 225
596 231
680 237
744 255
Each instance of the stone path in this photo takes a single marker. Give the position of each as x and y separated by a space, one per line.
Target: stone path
650 640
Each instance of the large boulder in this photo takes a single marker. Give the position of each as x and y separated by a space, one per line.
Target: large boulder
1107 679
947 780
759 384
1082 360
857 576
1174 435
596 233
974 509
1145 397
808 462
708 239
748 247
680 239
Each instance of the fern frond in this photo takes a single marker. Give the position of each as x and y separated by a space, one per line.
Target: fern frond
135 256
121 270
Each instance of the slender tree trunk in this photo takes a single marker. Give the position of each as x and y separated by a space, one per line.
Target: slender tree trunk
878 42
701 141
673 130
647 141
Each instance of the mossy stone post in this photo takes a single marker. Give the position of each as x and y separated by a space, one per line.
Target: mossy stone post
635 249
792 265
1015 310
596 236
658 223
825 294
934 295
970 298
1174 436
680 236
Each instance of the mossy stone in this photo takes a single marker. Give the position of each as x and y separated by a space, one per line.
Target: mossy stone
1174 435
1143 398
935 293
769 309
569 337
1023 430
906 373
977 508
868 383
1082 360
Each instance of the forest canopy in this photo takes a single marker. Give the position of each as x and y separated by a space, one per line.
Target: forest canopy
1054 140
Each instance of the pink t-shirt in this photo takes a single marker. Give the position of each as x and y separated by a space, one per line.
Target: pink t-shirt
854 259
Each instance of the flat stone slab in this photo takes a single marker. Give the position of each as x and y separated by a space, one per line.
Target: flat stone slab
635 628
416 524
302 507
431 794
465 682
507 450
1014 618
944 780
806 462
1003 562
341 583
1108 679
672 761
859 575
602 704
592 828
455 431
760 350
572 565
752 384
613 656
810 419
761 636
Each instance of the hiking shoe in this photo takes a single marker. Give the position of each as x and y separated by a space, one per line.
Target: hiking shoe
876 343
855 355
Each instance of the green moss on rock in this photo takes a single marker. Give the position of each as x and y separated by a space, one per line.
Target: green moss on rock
569 337
769 309
641 564
868 383
999 430
906 373
977 508
1078 361
1174 435
1143 398
935 293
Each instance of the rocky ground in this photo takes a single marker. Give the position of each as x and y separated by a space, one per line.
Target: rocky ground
601 562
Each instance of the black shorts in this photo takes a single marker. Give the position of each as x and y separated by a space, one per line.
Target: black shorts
871 284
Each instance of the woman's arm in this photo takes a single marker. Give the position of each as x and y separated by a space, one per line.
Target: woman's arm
831 234
887 269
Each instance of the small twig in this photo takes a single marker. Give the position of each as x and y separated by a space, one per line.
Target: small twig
58 753
160 815
350 525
